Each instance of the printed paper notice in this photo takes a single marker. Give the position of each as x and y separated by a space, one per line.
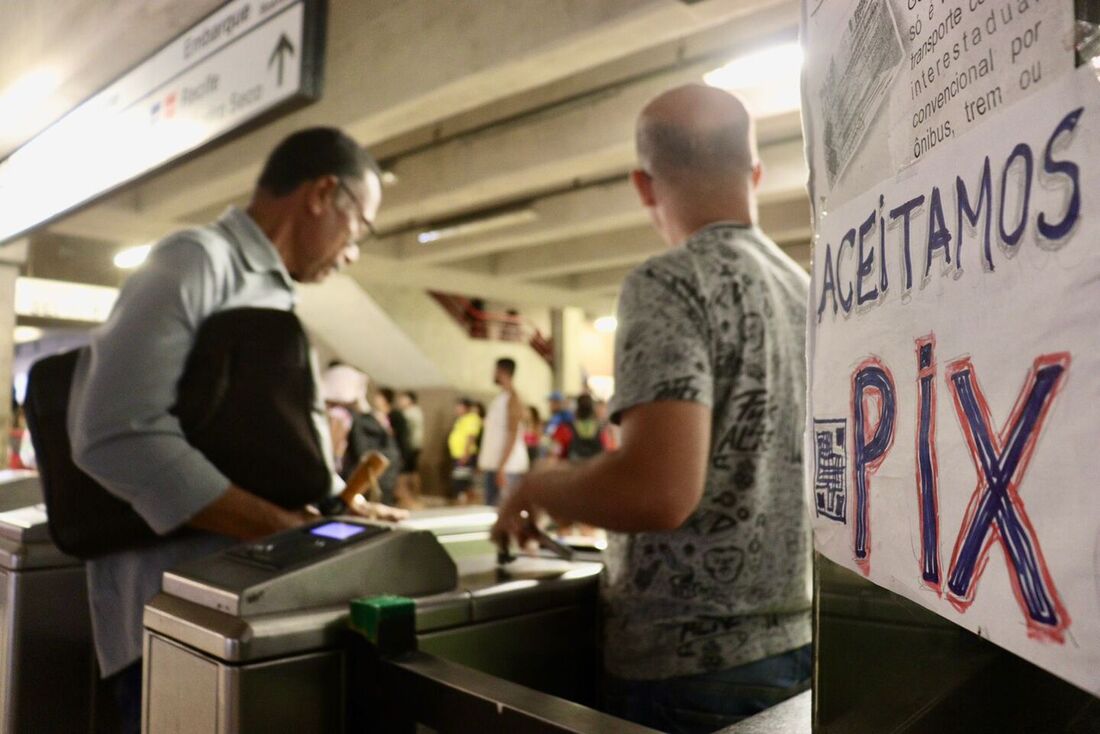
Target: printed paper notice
886 81
856 81
953 349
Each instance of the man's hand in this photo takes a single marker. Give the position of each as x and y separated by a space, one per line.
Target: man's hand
502 482
515 519
652 483
360 507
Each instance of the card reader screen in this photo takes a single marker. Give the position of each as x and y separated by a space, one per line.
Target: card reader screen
338 530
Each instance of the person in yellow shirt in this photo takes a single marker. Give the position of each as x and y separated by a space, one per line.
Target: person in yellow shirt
462 444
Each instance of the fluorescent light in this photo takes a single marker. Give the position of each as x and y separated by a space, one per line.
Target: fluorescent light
606 324
24 334
478 226
389 178
767 78
22 103
56 299
72 302
132 257
775 63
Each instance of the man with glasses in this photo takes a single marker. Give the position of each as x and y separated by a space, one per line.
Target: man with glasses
313 205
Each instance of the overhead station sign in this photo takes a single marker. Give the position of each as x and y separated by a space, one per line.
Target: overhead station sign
953 344
248 58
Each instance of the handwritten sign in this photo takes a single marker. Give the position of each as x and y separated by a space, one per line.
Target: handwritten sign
954 347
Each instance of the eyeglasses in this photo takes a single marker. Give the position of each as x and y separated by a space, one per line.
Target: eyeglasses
367 229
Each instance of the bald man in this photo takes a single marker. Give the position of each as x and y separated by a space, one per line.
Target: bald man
707 587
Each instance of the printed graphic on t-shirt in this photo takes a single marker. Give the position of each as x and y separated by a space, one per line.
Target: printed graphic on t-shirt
720 322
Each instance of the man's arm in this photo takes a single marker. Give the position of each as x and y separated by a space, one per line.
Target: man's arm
663 394
123 431
241 514
653 482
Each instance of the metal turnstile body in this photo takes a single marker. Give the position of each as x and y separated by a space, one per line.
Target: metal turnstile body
886 665
47 660
233 648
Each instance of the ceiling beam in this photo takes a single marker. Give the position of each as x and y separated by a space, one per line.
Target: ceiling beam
606 206
114 224
387 271
577 212
585 139
599 282
413 72
593 277
595 252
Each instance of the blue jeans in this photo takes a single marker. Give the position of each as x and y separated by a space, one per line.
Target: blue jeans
695 704
493 493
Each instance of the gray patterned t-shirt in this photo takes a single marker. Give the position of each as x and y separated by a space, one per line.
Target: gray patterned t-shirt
722 322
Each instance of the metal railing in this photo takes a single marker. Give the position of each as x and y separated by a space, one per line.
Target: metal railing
481 324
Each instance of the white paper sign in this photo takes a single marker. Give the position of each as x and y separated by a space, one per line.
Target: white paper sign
954 348
887 81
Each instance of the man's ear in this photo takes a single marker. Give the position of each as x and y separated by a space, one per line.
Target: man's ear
643 184
757 175
319 192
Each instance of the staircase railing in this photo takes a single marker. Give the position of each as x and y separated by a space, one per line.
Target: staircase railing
481 324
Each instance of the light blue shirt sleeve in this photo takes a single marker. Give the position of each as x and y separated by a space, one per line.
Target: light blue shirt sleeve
121 429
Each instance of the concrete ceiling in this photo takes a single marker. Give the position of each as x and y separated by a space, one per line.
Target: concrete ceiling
511 130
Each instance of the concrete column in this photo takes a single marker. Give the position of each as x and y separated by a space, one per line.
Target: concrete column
566 324
12 257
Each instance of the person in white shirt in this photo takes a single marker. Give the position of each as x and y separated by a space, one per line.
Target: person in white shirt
503 457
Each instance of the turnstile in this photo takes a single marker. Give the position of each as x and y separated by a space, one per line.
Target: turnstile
255 638
886 665
46 655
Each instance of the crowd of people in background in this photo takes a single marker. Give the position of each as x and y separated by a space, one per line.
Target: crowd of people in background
366 418
576 429
390 423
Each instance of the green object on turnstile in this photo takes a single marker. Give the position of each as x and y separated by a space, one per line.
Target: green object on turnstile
387 622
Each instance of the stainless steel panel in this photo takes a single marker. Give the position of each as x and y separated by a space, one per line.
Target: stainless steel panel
19 488
426 691
495 596
483 597
886 665
17 556
441 611
27 524
237 640
47 652
410 563
7 661
180 693
555 651
302 694
186 691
